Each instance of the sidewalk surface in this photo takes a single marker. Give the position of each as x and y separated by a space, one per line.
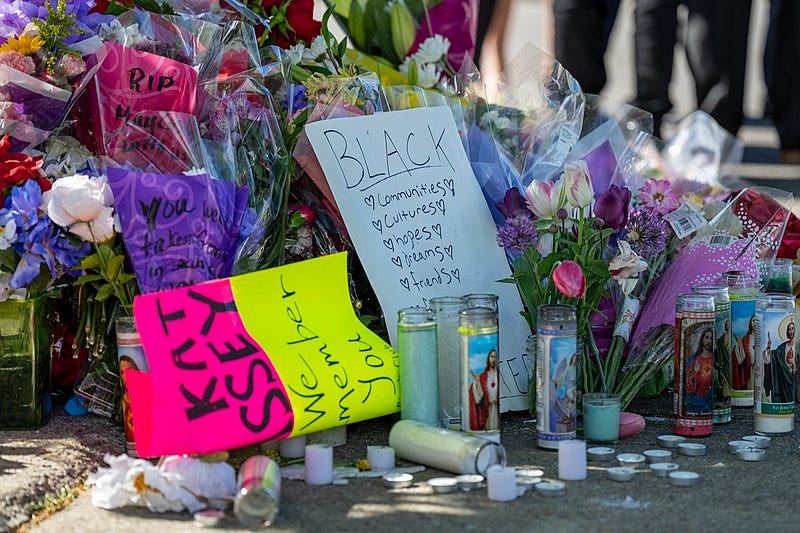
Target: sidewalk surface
732 495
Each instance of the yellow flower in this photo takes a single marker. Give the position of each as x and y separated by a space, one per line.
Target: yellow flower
24 44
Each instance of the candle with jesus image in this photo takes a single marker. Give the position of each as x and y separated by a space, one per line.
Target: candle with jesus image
775 363
480 374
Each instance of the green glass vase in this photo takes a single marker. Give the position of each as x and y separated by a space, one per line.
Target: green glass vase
26 338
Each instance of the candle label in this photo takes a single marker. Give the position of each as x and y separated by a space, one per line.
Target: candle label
722 363
694 373
556 383
775 366
481 389
743 338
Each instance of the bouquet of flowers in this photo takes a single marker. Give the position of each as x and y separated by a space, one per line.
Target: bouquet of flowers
43 68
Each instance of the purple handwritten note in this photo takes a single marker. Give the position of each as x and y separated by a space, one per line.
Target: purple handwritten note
179 230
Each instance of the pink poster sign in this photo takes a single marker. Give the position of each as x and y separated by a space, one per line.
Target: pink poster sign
217 389
131 81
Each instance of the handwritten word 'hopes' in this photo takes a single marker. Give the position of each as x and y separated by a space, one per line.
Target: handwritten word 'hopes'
365 169
412 237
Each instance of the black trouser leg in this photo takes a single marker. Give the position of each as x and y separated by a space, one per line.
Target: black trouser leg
782 71
582 31
656 27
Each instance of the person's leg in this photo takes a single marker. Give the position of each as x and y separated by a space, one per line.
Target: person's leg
716 47
582 31
492 60
485 10
781 62
656 25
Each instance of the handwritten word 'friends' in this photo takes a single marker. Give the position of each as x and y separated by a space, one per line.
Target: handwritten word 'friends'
441 277
364 169
388 221
441 188
412 237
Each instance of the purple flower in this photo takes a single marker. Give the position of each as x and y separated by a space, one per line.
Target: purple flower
517 233
514 204
646 232
298 100
612 207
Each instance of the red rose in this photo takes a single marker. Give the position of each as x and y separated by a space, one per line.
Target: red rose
292 20
16 169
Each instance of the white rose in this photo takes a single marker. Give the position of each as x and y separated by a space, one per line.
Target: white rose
80 203
101 229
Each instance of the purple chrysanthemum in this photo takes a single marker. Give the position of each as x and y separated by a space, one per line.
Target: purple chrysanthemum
517 233
646 232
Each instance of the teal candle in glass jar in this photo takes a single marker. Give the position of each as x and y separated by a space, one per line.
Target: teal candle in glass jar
601 417
419 376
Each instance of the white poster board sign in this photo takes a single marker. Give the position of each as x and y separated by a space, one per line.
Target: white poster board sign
419 221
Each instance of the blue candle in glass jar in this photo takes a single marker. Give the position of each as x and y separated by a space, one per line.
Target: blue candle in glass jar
419 376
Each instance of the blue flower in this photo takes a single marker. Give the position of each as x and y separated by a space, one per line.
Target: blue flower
45 243
23 203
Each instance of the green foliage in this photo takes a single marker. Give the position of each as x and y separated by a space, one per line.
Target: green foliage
117 8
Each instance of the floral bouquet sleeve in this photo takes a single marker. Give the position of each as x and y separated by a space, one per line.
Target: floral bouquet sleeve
41 75
153 63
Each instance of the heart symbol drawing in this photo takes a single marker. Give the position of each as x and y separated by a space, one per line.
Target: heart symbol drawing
404 283
437 229
397 261
378 225
450 184
456 274
449 251
440 206
389 243
370 201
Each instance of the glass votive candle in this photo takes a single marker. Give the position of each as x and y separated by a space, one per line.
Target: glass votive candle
601 417
776 275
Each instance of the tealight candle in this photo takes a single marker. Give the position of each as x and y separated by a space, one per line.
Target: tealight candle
572 460
658 456
319 464
759 441
380 457
501 483
293 447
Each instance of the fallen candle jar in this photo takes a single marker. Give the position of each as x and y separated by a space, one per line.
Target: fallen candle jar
600 453
682 478
759 441
630 459
551 489
443 485
398 481
670 441
691 449
663 469
446 450
752 453
658 456
621 473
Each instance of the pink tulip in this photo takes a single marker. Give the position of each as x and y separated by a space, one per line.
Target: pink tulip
569 279
578 184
